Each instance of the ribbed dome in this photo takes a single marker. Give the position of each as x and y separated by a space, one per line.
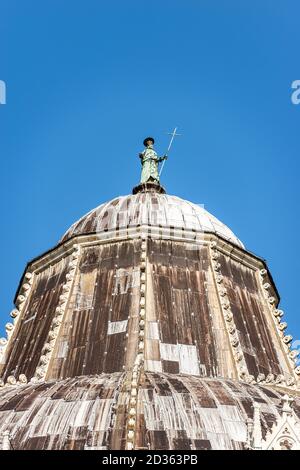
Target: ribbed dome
152 209
67 414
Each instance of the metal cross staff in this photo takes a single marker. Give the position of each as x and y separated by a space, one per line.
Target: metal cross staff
173 134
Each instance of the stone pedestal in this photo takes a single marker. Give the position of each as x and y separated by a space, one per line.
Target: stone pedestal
149 187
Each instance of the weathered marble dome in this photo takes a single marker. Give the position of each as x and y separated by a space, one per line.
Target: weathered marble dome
149 326
152 209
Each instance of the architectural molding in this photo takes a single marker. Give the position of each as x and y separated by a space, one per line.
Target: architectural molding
284 434
236 350
16 314
49 346
138 366
280 327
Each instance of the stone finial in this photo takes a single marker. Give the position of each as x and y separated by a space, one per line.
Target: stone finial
23 379
287 405
11 380
285 432
14 313
270 378
261 378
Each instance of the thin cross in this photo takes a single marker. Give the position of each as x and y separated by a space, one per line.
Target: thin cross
173 134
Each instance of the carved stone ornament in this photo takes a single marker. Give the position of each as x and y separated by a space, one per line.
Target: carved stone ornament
285 433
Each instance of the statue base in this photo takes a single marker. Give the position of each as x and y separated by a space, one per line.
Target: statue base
149 187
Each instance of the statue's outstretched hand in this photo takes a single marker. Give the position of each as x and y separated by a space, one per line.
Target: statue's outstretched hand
165 157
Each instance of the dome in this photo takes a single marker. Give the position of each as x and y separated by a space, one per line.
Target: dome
148 327
175 412
151 209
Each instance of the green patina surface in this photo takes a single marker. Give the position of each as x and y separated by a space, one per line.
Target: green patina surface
150 161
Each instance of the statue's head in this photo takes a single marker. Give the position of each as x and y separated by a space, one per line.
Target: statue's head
149 141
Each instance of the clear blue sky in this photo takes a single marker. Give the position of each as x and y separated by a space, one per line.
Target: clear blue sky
88 80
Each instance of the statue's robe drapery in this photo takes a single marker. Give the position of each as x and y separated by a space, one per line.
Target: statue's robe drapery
149 160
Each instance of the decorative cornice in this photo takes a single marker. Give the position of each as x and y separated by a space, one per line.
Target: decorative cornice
235 346
42 368
236 349
146 231
139 360
16 314
280 327
284 433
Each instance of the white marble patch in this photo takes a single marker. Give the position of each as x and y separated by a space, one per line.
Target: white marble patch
115 327
152 330
188 359
185 354
169 352
62 349
153 366
126 280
